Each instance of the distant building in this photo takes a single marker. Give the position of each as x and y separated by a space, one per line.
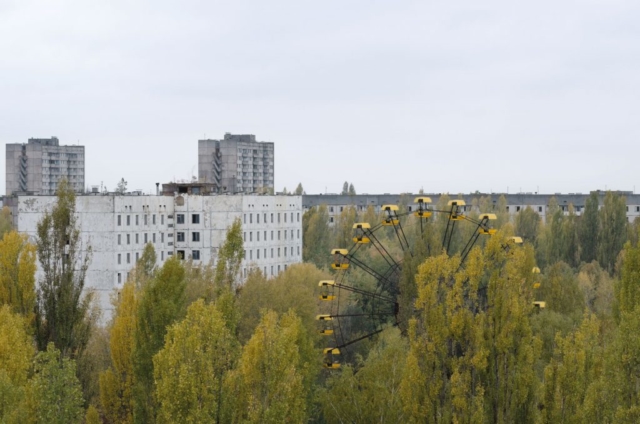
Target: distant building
189 226
38 166
237 164
517 202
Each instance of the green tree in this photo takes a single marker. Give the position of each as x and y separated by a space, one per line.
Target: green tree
527 223
299 190
161 304
17 274
63 314
189 370
612 220
317 237
274 374
352 190
121 188
345 188
230 257
55 389
370 393
589 229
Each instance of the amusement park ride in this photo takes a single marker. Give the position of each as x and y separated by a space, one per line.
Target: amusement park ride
383 301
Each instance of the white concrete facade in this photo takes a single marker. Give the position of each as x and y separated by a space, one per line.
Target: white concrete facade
192 226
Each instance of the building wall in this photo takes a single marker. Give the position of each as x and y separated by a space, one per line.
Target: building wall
116 228
238 164
40 164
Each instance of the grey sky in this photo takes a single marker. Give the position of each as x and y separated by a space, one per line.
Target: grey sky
392 96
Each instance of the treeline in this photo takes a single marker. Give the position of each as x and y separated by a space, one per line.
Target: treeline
187 343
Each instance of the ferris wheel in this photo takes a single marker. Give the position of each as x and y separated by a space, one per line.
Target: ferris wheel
346 304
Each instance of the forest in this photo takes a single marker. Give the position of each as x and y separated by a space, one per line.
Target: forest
499 332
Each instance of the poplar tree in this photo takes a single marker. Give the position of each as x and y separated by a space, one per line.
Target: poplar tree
17 274
230 256
612 220
62 310
589 229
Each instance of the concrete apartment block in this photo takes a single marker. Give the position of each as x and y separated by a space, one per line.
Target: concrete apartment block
38 166
237 164
190 226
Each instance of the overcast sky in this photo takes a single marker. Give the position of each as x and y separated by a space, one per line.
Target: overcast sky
390 95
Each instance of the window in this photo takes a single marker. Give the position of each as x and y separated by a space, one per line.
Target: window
244 218
291 216
162 255
250 254
278 252
331 219
195 218
539 208
285 217
298 234
145 238
278 217
119 222
291 250
250 236
154 237
291 234
285 252
271 234
265 236
265 255
137 256
128 220
180 236
180 218
153 219
195 255
257 218
340 208
272 218
272 252
137 220
195 236
637 208
180 254
257 235
128 238
331 209
137 238
250 218
119 258
146 221
128 258
258 254
162 219
298 216
278 269
161 237
119 278
244 236
265 219
271 269
119 239
298 250
285 234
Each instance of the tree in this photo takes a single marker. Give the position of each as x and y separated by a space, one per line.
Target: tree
55 389
612 220
6 222
526 224
162 303
62 312
589 229
372 394
274 374
17 273
190 369
122 187
230 257
316 246
352 190
16 353
299 190
116 384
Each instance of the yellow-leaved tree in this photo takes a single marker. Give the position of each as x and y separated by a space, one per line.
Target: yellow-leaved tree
17 274
190 369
